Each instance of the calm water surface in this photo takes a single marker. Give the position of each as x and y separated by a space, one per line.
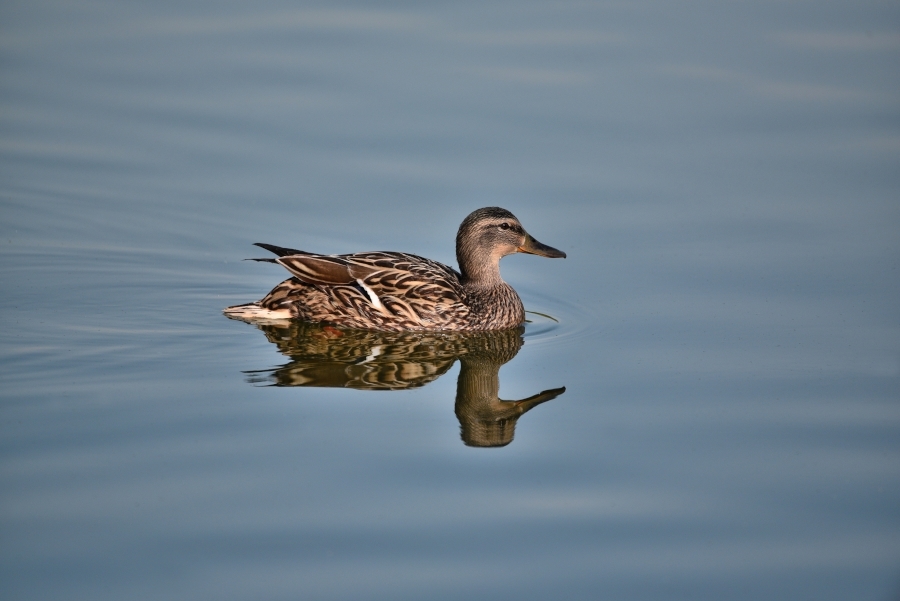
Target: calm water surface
723 177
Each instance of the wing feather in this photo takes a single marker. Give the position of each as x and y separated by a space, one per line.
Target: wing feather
317 269
378 286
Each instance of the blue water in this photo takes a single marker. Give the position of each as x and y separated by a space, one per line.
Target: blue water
724 179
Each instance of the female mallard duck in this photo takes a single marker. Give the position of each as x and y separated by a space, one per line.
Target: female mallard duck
395 291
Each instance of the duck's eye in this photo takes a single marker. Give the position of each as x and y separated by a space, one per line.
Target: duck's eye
504 226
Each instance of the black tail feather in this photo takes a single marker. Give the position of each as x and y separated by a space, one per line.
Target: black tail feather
263 260
280 250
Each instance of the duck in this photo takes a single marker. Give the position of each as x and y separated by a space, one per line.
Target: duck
396 292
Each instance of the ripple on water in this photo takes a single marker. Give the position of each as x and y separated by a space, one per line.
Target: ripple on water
553 320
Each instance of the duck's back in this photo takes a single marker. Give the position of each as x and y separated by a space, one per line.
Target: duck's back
393 291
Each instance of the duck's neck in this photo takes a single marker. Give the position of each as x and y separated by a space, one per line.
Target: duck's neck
479 272
492 302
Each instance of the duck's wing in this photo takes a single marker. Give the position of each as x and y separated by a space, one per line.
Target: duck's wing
395 273
325 270
405 286
384 269
413 289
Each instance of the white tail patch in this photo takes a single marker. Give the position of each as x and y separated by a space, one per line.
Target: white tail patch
373 298
253 313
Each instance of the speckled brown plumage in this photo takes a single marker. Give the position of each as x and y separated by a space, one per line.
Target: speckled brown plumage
394 291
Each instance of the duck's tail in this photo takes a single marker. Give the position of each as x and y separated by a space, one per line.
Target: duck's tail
281 251
254 313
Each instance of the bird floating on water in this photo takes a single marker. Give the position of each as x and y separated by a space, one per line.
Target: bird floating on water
394 291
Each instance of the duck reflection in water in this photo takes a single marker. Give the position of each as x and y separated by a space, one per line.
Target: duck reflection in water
367 360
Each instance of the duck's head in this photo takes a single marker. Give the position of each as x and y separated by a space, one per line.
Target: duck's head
489 234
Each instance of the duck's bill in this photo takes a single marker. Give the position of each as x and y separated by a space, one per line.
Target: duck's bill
533 247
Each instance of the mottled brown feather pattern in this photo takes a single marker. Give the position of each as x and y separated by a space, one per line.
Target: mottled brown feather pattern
397 291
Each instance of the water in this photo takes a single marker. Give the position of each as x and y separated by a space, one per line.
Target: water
723 178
